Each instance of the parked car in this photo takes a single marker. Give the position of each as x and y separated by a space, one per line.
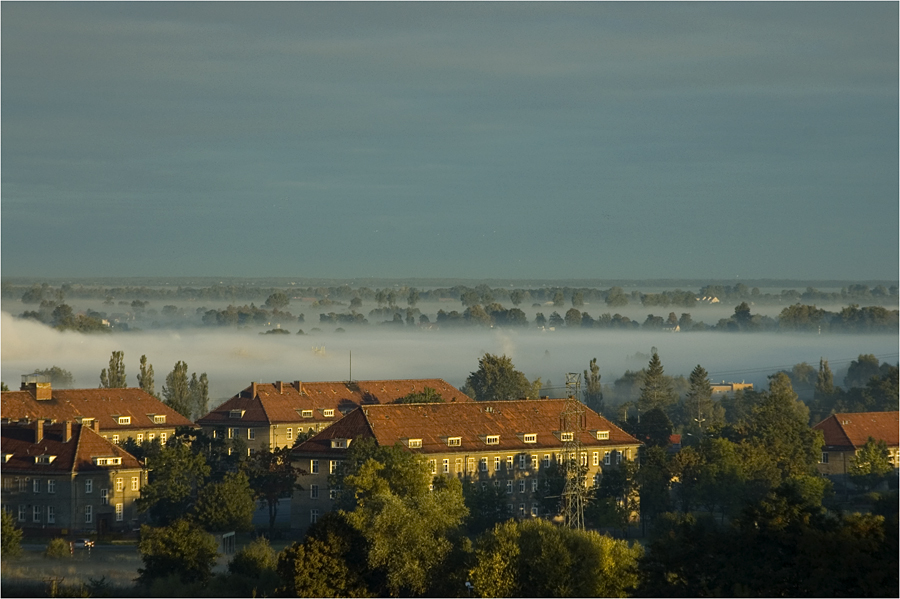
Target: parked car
84 543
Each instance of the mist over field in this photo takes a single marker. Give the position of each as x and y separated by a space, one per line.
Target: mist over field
234 358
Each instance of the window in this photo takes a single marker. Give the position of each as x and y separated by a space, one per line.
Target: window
104 496
433 464
483 465
21 485
151 436
496 463
36 485
332 494
534 462
51 486
458 465
140 437
584 458
595 459
607 459
231 433
454 441
521 509
470 465
496 483
21 513
124 419
306 413
602 435
332 466
88 514
7 484
89 486
415 443
340 443
290 434
567 436
250 451
159 419
135 483
509 462
446 465
492 439
314 466
618 457
36 513
534 509
51 515
120 512
313 491
115 439
120 485
509 487
522 486
627 454
484 485
313 516
521 461
824 459
597 479
534 485
328 413
510 507
236 413
529 438
546 460
251 434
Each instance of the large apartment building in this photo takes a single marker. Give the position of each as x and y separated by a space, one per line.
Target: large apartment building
508 444
272 415
846 433
65 478
116 414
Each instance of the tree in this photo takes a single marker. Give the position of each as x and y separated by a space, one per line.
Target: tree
176 391
10 536
180 549
487 507
870 464
199 395
654 428
176 475
427 395
824 380
861 371
272 477
497 379
615 297
59 377
653 479
114 377
145 377
573 318
413 298
577 299
516 296
277 301
593 392
227 505
698 402
657 389
559 299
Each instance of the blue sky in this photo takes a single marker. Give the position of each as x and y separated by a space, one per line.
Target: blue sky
511 140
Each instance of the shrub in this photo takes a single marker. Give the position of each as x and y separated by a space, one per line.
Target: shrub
58 548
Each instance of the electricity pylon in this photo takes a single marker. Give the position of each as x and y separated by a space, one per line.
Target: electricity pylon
572 423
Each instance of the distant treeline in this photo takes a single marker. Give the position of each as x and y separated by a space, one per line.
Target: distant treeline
479 294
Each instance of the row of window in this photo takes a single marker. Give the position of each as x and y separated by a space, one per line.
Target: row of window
140 438
124 420
38 485
609 457
47 514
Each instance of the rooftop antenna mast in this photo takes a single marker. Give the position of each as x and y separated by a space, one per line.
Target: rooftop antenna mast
572 424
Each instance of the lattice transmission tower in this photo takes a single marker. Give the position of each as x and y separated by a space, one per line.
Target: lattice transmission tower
572 424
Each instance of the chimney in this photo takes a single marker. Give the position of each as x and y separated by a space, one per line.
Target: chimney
95 424
38 430
67 431
299 387
252 390
280 387
39 390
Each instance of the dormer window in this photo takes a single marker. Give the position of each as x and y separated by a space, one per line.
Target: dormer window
124 420
454 441
328 413
44 459
414 443
492 440
236 413
306 413
7 457
566 437
602 435
116 461
340 443
87 422
159 419
529 438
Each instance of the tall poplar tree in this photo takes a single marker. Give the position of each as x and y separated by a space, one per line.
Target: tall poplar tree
145 377
593 393
114 377
176 391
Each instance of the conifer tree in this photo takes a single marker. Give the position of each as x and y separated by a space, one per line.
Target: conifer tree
657 390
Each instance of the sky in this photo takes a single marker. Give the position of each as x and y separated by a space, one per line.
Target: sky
478 140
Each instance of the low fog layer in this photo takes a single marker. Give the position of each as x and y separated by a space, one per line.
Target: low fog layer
233 359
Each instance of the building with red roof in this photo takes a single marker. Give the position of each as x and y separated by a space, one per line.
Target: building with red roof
272 415
509 444
846 433
65 478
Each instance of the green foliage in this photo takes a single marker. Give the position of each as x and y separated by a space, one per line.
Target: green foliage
58 548
198 388
227 505
145 377
497 379
861 370
272 476
427 395
255 559
176 392
870 464
534 558
487 507
114 377
277 301
180 549
10 536
60 378
593 391
176 475
654 428
656 391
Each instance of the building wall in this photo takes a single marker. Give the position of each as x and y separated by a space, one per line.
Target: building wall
520 474
265 435
839 462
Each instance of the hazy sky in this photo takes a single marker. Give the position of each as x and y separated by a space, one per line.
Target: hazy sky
450 139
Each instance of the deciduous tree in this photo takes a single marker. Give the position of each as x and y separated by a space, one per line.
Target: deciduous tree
181 548
497 379
114 377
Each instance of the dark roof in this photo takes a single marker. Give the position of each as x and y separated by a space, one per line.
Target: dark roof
270 403
75 455
852 430
470 421
103 405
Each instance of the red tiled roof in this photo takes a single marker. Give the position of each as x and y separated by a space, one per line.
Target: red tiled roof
103 405
471 421
278 402
854 429
75 455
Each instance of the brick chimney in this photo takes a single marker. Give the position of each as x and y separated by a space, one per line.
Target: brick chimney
95 424
40 391
299 386
67 431
252 390
38 430
279 386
